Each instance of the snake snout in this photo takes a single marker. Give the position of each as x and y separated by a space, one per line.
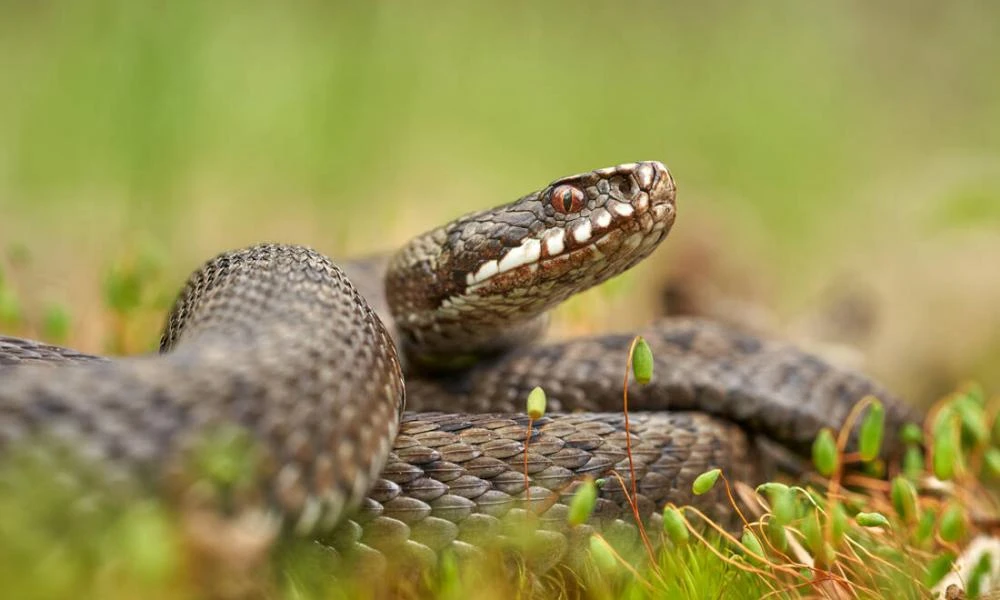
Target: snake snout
655 181
649 191
651 175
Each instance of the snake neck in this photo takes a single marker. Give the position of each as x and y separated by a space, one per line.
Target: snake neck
486 281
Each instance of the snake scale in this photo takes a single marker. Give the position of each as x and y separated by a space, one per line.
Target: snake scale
309 357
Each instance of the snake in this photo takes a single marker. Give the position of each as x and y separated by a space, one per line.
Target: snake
385 394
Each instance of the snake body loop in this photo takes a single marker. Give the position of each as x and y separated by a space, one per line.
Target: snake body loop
278 340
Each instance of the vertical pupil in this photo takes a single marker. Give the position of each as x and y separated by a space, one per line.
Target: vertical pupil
567 200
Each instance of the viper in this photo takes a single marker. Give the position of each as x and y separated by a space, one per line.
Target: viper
384 396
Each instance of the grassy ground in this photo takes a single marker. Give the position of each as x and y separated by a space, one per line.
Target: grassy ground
816 148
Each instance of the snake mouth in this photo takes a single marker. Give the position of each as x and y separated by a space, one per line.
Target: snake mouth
484 281
628 211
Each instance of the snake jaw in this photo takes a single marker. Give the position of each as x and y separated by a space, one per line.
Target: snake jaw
625 205
513 263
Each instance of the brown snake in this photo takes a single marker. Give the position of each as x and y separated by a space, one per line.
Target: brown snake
278 340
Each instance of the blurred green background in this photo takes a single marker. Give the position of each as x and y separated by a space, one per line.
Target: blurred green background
818 147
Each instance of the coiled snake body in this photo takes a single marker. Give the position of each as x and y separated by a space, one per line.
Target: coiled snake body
278 340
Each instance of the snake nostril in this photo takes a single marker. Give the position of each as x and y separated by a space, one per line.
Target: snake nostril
625 187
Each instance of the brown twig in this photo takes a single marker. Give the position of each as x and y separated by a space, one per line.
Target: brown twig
732 500
635 511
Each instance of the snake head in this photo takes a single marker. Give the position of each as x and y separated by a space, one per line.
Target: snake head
578 231
493 274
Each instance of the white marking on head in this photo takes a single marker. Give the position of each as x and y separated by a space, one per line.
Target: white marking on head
515 257
527 253
602 218
581 233
532 250
622 209
486 270
645 174
555 241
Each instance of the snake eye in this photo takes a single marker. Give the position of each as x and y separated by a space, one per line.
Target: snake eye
566 199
